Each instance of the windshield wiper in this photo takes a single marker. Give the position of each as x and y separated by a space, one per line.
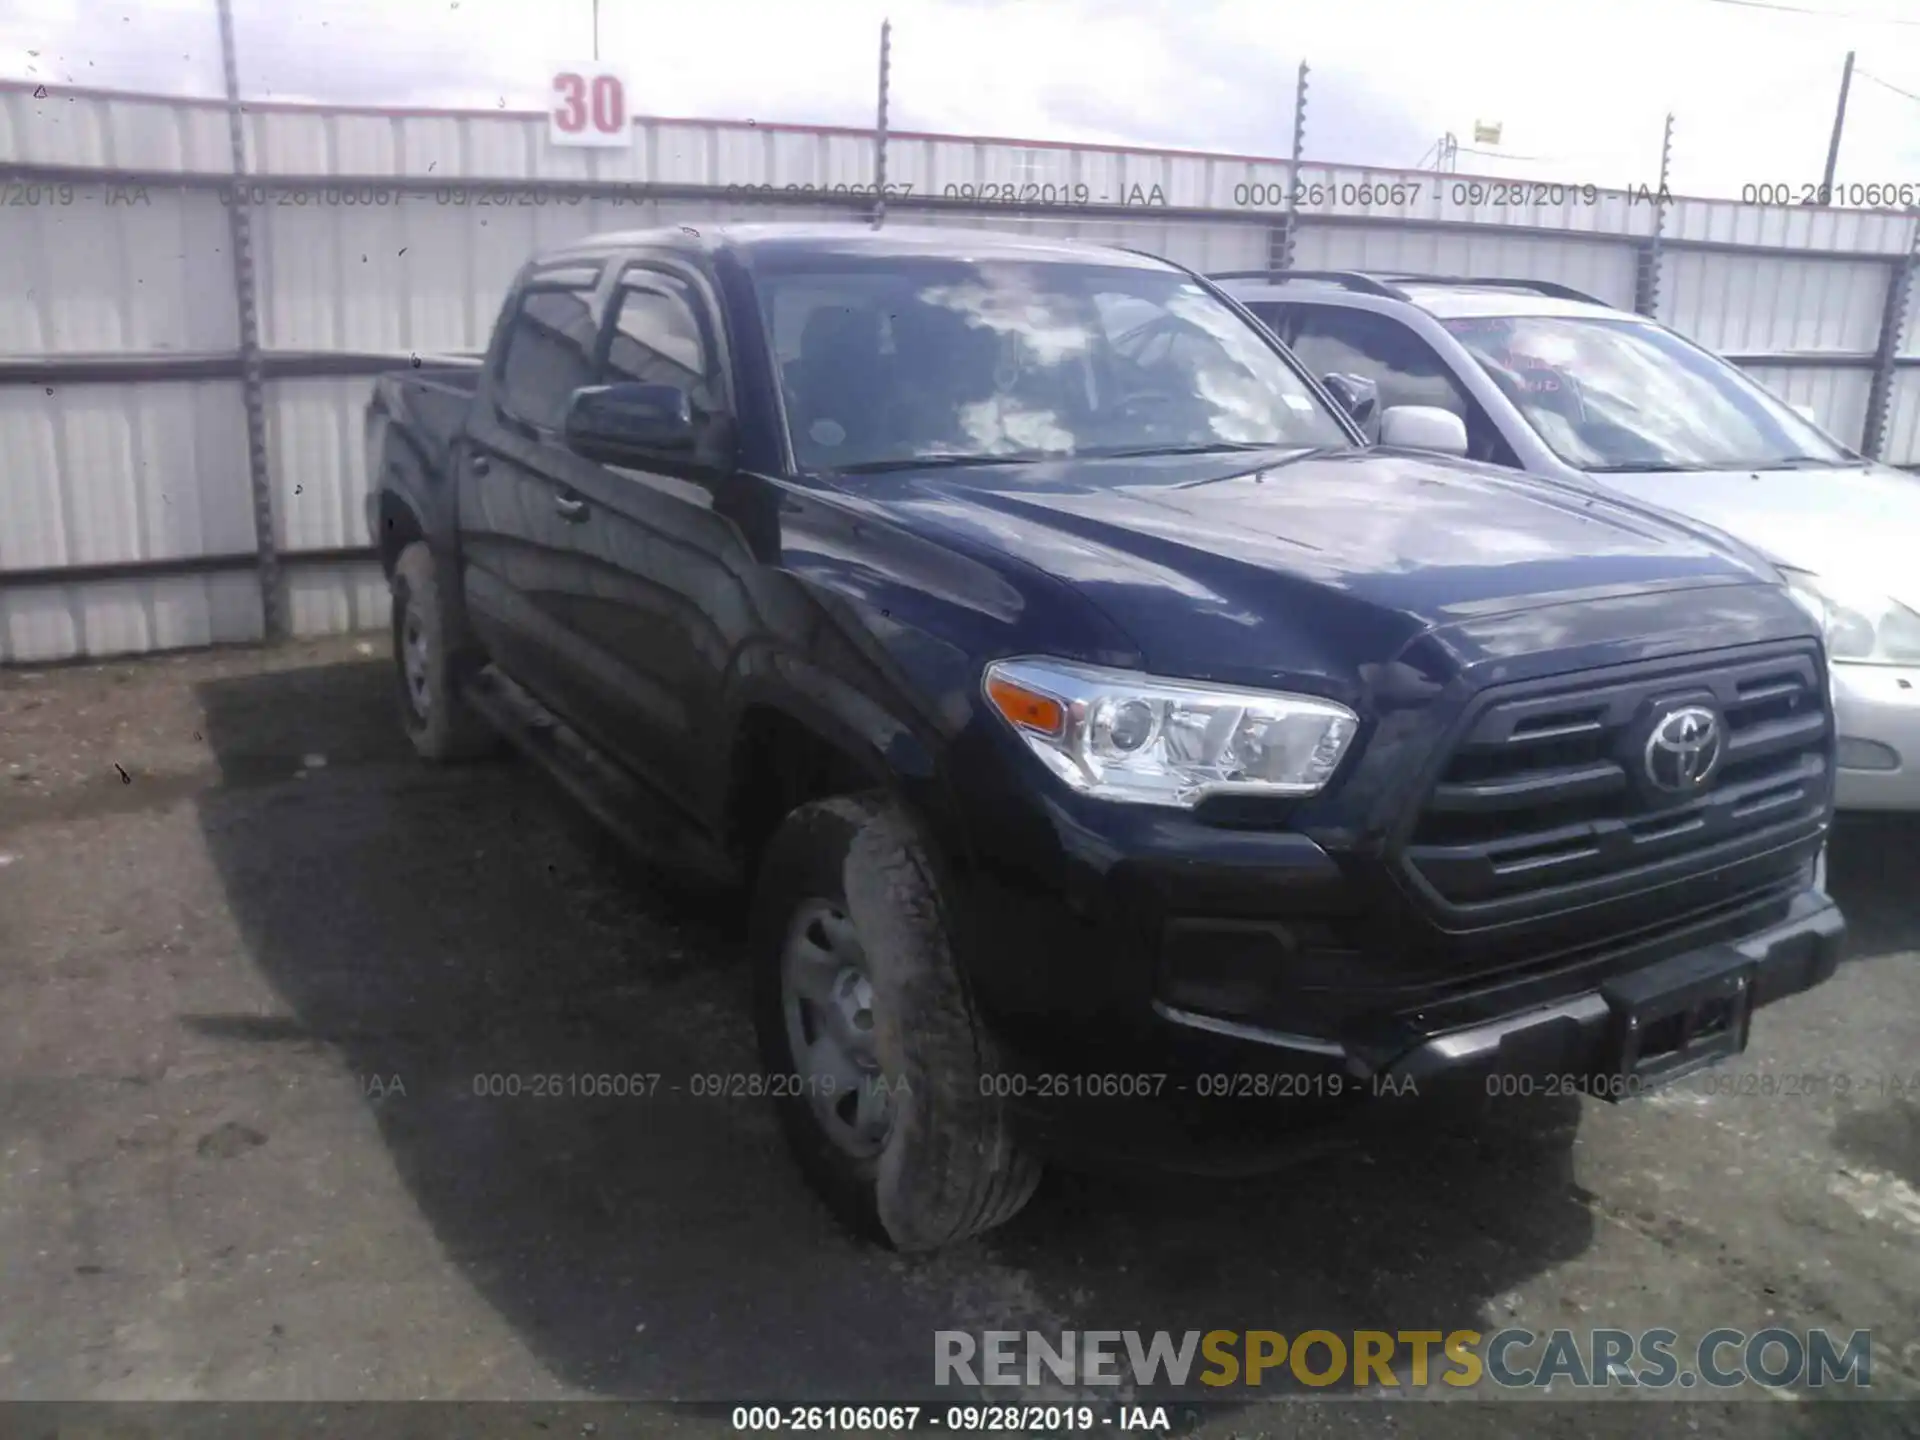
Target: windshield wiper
956 461
1779 462
1652 467
1217 447
932 462
1309 452
1802 462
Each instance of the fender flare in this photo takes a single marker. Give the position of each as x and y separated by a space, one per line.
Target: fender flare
890 751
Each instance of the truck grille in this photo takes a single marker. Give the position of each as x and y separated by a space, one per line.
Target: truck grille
1546 802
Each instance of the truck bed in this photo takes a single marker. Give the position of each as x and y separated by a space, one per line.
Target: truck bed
413 421
429 403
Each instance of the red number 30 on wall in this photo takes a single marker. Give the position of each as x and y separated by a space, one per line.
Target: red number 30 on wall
589 108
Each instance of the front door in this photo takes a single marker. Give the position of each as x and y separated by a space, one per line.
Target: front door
657 588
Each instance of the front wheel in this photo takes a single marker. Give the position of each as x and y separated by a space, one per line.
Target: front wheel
865 1025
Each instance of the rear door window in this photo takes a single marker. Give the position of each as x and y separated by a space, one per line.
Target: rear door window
1276 317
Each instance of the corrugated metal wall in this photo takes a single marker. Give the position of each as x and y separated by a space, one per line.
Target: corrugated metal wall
126 518
1601 268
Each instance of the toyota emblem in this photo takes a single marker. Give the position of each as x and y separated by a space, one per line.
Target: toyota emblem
1684 750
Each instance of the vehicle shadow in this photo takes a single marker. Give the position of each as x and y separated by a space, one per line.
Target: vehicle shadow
1871 862
467 932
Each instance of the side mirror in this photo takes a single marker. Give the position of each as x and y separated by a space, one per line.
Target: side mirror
623 423
1356 394
1423 427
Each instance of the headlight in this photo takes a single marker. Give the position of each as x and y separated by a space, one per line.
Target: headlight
1860 625
1122 735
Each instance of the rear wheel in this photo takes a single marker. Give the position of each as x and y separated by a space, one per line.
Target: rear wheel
429 661
864 1022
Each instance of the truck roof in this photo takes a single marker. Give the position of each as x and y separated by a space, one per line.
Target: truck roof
798 240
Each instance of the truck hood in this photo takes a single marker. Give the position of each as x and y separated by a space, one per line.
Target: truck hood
1862 523
1218 567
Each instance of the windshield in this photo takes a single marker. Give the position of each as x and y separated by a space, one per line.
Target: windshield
907 360
1608 394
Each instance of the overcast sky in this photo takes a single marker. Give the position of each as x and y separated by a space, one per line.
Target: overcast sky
1579 86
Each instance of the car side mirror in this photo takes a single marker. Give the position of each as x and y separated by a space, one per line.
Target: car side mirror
1423 427
623 423
1356 394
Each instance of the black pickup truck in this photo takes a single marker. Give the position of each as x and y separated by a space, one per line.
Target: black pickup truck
1109 740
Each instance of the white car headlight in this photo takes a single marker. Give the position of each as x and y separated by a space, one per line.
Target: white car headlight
1122 735
1860 626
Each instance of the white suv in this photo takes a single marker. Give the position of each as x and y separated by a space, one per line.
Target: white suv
1544 379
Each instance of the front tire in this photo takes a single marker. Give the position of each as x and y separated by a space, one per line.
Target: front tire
430 660
868 1031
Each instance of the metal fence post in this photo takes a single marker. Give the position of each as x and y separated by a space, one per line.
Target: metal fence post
1280 244
1280 239
880 129
252 383
1646 275
1893 319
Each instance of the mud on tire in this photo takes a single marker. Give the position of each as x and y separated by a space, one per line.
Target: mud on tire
436 718
949 1166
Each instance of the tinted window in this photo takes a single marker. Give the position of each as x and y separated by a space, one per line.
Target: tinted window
887 360
657 339
1405 369
1275 317
1358 342
1607 394
548 355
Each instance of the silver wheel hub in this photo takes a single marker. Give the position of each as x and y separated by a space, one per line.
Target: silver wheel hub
413 661
826 997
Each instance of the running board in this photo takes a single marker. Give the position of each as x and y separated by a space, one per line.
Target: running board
639 818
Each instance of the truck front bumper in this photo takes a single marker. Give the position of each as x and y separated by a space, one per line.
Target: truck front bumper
1243 1098
1649 1027
1175 983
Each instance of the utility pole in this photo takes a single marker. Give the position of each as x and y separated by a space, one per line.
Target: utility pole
1646 277
596 29
1839 122
1299 118
273 612
1280 239
880 129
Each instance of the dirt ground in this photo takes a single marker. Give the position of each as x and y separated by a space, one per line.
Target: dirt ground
253 957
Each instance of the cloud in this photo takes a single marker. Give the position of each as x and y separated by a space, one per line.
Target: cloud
1581 88
1222 88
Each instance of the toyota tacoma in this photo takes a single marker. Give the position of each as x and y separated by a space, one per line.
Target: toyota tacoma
1110 741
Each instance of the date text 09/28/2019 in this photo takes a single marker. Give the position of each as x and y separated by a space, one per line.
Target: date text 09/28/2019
958 1419
1396 193
985 192
1232 1085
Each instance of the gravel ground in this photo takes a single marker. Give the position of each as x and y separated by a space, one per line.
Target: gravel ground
253 956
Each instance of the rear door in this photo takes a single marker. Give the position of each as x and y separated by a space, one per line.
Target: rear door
515 534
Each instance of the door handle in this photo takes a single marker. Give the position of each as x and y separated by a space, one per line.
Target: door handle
481 464
570 507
